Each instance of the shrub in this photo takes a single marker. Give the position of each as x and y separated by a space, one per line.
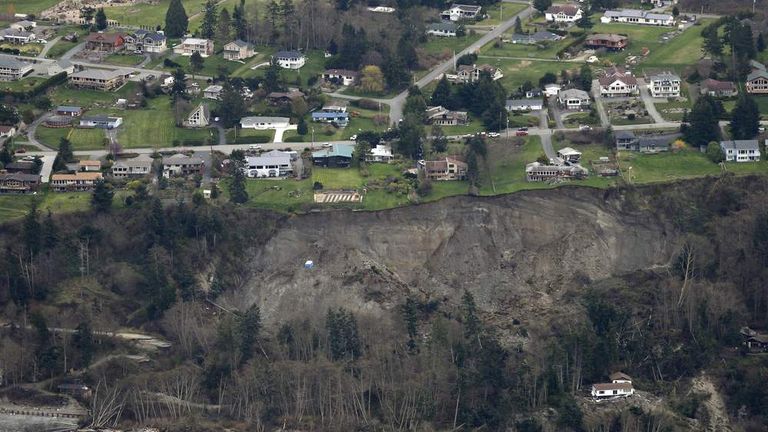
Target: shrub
317 185
367 104
294 139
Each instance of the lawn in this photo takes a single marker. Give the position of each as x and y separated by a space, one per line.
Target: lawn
82 139
362 122
124 59
673 111
517 72
475 125
155 126
27 83
762 105
497 12
212 65
16 206
581 118
30 49
60 48
28 6
441 45
89 99
243 134
152 15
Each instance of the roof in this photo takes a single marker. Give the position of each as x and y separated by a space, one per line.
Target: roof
90 163
740 145
611 37
619 376
329 115
445 26
754 64
612 386
271 157
22 177
18 33
713 84
103 74
77 176
635 13
759 338
340 150
194 41
341 72
104 37
567 9
68 108
293 94
614 74
99 119
664 76
12 63
182 158
259 119
381 150
524 102
757 73
466 8
213 89
442 164
568 151
155 36
6 128
288 54
573 94
624 135
141 160
240 43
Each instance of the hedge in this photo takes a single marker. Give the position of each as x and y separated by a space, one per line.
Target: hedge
294 139
252 139
27 95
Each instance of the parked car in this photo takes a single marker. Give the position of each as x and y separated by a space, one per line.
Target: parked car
585 127
353 137
523 129
255 147
521 133
493 134
592 59
326 145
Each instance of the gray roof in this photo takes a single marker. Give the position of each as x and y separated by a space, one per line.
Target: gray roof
260 119
104 74
182 158
740 145
445 26
757 73
241 43
523 102
624 134
99 119
573 94
288 54
12 63
68 108
664 76
656 140
635 13
141 160
342 150
271 157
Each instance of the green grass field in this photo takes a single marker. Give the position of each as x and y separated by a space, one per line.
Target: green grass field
27 6
212 65
21 85
498 11
88 99
155 126
124 59
154 14
82 139
516 72
447 45
363 122
59 49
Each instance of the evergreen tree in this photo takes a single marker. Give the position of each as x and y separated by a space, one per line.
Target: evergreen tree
343 337
745 118
415 103
176 20
585 22
239 21
179 87
83 341
407 51
237 192
411 136
411 318
712 43
248 326
101 20
714 152
471 321
702 123
223 28
395 73
439 140
473 169
518 26
542 5
760 44
210 17
101 200
675 11
196 62
50 232
231 107
442 94
585 78
31 229
272 81
302 128
64 155
5 155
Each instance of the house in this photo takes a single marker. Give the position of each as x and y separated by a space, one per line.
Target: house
59 66
443 169
755 342
213 92
380 153
75 389
517 105
335 156
12 69
181 165
17 37
335 106
444 28
542 36
471 73
341 76
536 171
105 42
189 46
99 79
23 25
270 164
22 166
620 378
284 98
289 59
18 182
552 89
664 85
7 131
715 88
200 116
89 165
611 390
71 111
142 41
741 150
77 182
634 16
617 82
534 93
627 140
238 50
445 117
569 155
101 122
264 122
573 99
340 119
609 41
459 12
757 82
756 65
566 13
134 167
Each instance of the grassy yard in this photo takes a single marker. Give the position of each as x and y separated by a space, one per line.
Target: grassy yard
124 59
362 122
475 125
212 65
155 126
82 139
16 206
153 14
29 6
30 49
21 85
516 72
89 99
440 45
59 49
673 110
497 11
244 133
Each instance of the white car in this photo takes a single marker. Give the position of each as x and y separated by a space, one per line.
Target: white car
326 145
592 59
585 127
255 147
353 137
42 41
493 134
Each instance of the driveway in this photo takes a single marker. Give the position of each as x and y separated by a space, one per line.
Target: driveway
604 121
71 53
556 115
32 130
650 103
280 131
48 46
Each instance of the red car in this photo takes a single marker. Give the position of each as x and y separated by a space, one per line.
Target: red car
521 133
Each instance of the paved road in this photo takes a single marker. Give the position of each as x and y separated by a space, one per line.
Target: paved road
32 130
48 46
604 122
71 53
556 113
649 102
546 144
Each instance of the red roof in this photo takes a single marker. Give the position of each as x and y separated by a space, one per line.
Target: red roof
5 129
569 10
111 38
713 84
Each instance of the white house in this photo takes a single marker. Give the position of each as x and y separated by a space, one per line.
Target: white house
101 121
198 117
23 25
552 89
264 122
566 13
461 12
569 154
213 92
517 105
15 36
445 28
189 46
135 167
146 41
7 131
617 82
741 150
574 99
634 16
341 76
270 164
620 386
380 153
12 69
664 85
289 59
